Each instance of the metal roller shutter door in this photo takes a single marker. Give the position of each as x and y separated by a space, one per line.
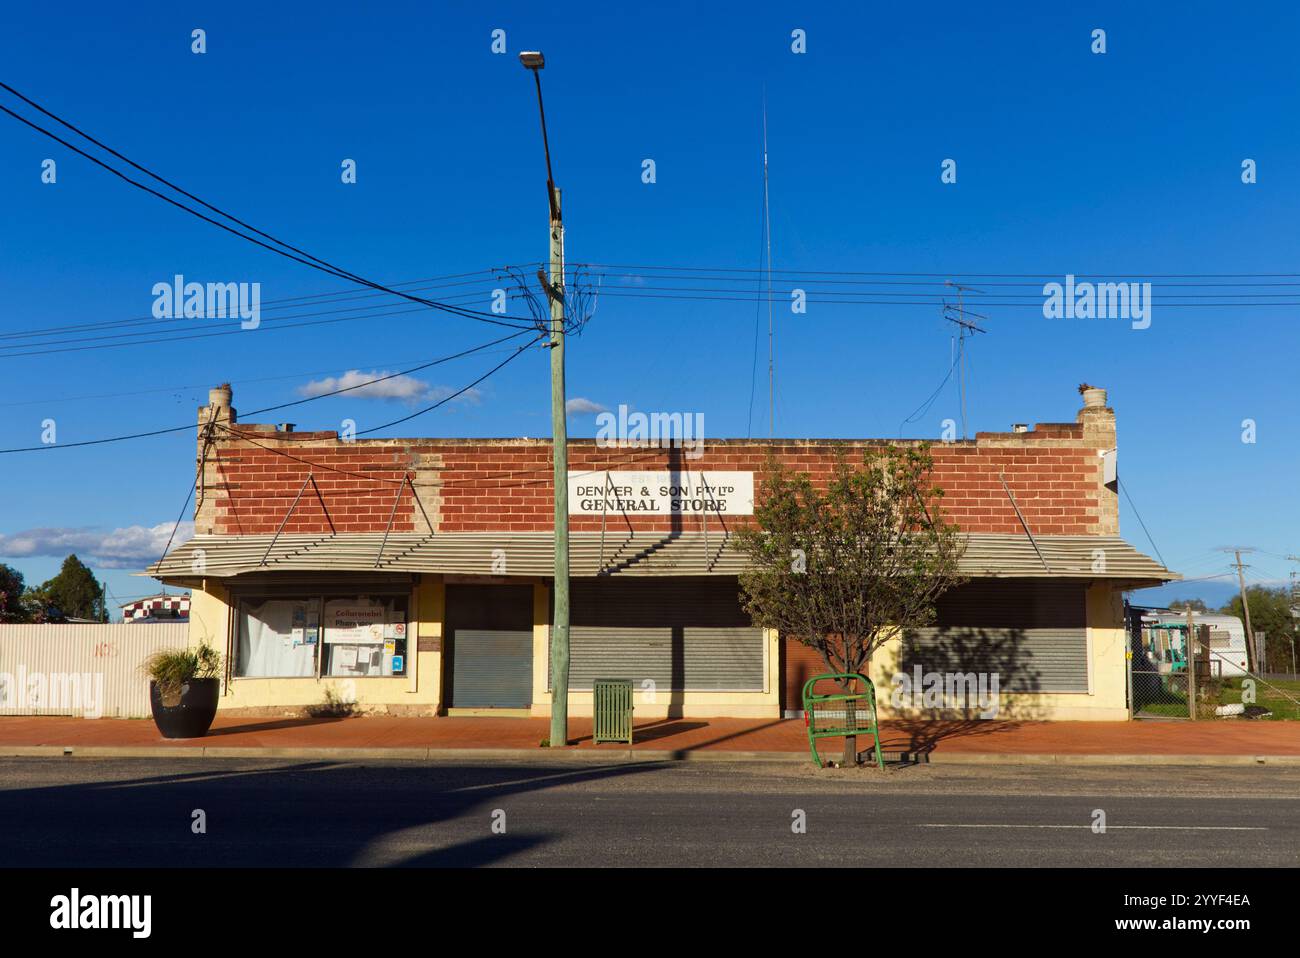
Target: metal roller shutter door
682 634
493 669
1033 634
491 647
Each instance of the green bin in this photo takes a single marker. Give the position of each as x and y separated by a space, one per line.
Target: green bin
612 710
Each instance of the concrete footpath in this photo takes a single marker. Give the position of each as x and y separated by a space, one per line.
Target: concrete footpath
1231 742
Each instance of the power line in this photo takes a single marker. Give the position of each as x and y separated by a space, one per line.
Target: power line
192 386
1134 507
148 338
651 292
922 409
291 302
189 426
239 435
972 276
291 437
289 251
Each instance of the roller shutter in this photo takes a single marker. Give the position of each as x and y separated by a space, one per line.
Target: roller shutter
1032 633
491 646
684 634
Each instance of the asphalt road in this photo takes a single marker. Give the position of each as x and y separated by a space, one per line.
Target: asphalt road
139 812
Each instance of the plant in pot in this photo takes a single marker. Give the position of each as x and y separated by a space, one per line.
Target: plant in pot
183 690
1093 396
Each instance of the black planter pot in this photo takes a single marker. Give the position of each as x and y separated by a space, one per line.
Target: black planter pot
192 716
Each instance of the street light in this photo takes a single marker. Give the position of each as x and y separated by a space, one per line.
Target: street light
534 61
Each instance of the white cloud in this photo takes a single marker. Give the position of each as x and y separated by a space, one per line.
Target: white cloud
405 389
128 547
578 406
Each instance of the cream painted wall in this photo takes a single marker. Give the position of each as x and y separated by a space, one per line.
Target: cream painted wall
210 620
1106 701
419 692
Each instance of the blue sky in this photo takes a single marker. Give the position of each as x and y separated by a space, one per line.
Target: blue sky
1068 162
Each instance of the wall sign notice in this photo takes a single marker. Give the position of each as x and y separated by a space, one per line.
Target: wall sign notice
661 493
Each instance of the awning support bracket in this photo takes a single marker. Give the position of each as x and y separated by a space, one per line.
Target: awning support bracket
604 511
401 488
285 521
1023 524
704 522
324 508
418 503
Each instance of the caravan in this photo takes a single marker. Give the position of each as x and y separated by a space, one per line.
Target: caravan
1227 639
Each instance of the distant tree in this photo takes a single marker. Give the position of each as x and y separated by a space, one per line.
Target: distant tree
844 566
1270 613
1182 605
74 592
12 609
39 607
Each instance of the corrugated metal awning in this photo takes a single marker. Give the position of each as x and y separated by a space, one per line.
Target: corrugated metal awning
641 553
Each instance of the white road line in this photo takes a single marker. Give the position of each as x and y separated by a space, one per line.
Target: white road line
1163 828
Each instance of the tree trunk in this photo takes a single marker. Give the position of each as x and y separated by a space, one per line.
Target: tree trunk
850 721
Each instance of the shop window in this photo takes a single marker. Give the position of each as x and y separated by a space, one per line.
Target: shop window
365 637
354 636
278 638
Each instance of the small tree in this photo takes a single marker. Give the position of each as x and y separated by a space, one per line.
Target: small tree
74 592
11 594
842 568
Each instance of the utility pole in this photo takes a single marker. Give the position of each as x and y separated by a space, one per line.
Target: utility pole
1191 667
1295 613
1245 608
535 62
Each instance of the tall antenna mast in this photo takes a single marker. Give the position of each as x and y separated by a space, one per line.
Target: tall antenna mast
771 340
958 317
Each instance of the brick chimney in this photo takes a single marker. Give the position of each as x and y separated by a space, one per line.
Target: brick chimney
1098 421
218 410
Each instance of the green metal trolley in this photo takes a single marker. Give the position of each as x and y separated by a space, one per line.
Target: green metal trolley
842 713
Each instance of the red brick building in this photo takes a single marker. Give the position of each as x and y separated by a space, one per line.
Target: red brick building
414 574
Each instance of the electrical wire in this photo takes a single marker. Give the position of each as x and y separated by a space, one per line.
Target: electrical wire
944 275
375 311
189 426
289 251
1134 507
374 364
291 302
291 437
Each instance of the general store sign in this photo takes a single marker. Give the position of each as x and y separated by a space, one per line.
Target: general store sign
661 493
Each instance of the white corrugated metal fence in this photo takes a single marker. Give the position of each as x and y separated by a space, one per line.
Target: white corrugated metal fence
91 671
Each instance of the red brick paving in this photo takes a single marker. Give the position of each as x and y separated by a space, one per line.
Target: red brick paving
722 734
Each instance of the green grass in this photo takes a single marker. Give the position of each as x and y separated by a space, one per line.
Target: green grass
1282 707
1227 692
1174 709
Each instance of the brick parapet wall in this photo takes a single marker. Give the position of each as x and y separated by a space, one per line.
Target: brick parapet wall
249 483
